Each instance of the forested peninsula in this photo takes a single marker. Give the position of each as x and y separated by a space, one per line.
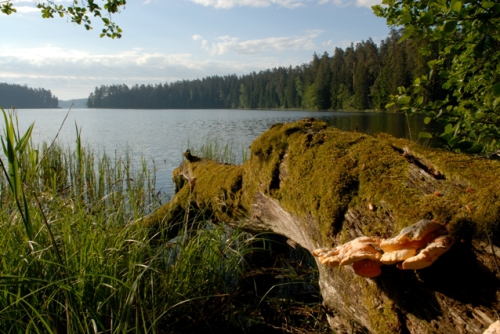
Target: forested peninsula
363 76
22 97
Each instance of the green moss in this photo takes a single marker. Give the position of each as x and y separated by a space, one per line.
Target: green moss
321 172
382 317
214 192
471 198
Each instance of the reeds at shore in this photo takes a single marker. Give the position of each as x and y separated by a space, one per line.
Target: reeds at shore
75 258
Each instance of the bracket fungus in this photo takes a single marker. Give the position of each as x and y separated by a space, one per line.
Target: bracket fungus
367 268
415 247
361 252
494 328
429 254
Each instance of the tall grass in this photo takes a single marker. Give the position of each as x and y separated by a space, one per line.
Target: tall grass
278 285
223 152
75 258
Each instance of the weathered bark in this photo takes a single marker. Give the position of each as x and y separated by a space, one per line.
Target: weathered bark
322 187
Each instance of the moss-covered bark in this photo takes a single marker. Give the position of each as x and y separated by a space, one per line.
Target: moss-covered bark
320 186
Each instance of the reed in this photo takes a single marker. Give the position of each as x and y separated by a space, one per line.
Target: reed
220 151
75 257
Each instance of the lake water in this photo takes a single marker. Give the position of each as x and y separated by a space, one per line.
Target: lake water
163 135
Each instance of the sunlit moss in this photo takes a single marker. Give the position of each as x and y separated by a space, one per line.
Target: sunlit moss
218 193
321 172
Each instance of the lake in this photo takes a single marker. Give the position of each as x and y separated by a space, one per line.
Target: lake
161 136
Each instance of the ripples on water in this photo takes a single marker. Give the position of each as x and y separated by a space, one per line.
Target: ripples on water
163 135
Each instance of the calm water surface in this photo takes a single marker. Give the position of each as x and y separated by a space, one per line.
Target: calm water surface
163 135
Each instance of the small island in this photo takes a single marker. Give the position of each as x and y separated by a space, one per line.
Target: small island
23 97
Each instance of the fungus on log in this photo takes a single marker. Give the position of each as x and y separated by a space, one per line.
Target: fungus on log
494 328
429 239
434 249
367 268
359 249
322 187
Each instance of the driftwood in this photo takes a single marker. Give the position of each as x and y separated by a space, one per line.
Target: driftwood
321 187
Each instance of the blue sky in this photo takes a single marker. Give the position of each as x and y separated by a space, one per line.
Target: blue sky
170 40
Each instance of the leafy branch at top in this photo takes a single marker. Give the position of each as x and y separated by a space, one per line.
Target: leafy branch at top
467 35
80 12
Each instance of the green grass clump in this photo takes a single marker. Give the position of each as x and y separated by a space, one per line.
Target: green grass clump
76 258
220 151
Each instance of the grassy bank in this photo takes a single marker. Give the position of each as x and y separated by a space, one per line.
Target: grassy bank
75 258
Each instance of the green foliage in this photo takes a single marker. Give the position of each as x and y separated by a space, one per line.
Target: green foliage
323 83
310 100
79 12
14 147
6 8
466 34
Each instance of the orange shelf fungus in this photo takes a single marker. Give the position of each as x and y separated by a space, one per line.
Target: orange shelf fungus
429 254
359 249
397 256
367 268
494 328
415 247
413 237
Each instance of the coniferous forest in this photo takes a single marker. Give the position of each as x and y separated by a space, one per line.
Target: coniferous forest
17 96
363 76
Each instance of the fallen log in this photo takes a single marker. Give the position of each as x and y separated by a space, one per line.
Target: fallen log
322 187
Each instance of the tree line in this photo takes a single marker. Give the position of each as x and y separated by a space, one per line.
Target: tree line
363 76
17 96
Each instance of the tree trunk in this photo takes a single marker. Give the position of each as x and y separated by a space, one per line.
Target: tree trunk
322 187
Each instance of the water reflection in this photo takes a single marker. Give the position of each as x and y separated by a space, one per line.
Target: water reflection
162 135
395 124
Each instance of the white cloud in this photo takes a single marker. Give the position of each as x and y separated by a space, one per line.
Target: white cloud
31 2
343 44
18 3
24 6
75 73
26 9
367 3
357 3
313 33
282 3
251 3
328 43
197 37
228 44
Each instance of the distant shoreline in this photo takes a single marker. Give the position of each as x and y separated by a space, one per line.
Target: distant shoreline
75 103
273 109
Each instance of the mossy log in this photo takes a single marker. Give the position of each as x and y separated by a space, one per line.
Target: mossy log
322 187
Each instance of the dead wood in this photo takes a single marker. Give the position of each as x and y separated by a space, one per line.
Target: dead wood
321 187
